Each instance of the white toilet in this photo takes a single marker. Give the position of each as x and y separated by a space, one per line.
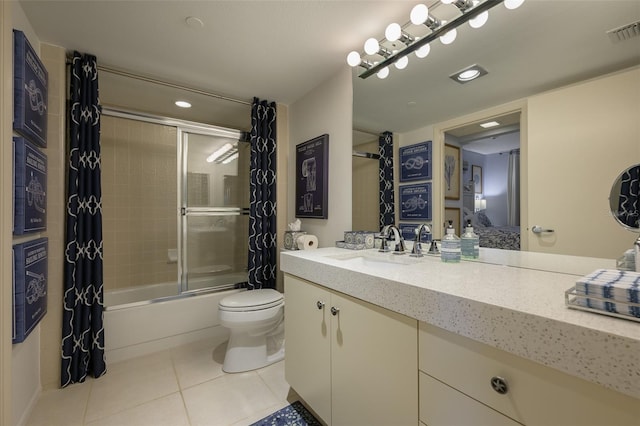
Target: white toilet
256 321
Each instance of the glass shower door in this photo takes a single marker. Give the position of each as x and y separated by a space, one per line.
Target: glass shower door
214 213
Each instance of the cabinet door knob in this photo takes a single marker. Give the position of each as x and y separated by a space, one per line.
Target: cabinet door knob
320 304
499 385
334 311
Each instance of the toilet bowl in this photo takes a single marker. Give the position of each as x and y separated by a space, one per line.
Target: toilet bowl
255 319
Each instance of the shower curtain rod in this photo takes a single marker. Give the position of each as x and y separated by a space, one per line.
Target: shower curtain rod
129 74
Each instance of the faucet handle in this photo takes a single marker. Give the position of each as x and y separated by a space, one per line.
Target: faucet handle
416 251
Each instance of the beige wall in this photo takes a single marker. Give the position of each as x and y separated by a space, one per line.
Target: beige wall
282 148
366 189
580 138
326 109
139 202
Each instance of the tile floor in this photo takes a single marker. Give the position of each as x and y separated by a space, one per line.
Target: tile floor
181 386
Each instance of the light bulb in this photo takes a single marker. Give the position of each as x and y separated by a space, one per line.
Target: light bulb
479 20
383 73
393 32
513 4
402 63
423 51
469 75
354 59
446 1
371 46
449 37
419 14
183 104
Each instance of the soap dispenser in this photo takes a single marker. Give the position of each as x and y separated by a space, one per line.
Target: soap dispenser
470 243
450 248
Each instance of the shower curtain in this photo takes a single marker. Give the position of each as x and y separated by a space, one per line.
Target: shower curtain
385 149
262 187
629 201
513 189
82 327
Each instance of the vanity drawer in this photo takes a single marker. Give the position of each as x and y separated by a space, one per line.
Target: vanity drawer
441 405
534 394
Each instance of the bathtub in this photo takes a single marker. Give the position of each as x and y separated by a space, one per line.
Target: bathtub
147 319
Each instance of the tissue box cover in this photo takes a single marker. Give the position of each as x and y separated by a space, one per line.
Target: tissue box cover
30 187
30 274
290 239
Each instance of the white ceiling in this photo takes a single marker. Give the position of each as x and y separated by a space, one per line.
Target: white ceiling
280 50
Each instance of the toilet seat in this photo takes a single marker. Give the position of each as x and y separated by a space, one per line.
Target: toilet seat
251 300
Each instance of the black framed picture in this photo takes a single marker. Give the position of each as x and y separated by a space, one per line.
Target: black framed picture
312 185
415 202
415 162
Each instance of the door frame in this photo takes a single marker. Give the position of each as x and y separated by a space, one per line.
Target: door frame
440 129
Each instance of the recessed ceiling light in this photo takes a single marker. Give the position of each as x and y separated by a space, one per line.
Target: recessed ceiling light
183 104
489 124
468 74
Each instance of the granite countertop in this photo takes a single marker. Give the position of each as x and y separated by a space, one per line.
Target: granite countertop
513 301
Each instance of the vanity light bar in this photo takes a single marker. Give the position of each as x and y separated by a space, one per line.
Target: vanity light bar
468 13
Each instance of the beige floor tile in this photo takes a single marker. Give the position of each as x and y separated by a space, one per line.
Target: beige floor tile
273 377
131 383
198 363
165 411
260 414
62 407
228 399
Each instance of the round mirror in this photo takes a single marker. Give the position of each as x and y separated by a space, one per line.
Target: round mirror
624 199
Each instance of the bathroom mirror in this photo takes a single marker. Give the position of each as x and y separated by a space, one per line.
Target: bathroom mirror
624 199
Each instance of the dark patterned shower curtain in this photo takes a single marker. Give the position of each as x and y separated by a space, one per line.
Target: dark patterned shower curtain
385 149
629 201
82 327
262 187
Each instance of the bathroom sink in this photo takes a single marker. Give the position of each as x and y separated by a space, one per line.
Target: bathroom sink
374 258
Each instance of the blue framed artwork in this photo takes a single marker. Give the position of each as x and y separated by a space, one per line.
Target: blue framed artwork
415 162
30 275
30 188
312 184
415 202
30 91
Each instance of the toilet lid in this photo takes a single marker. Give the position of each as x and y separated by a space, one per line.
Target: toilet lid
252 300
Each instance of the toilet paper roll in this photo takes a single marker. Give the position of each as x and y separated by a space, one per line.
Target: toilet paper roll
307 242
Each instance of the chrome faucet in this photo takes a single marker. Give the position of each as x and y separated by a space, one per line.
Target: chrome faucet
417 244
397 237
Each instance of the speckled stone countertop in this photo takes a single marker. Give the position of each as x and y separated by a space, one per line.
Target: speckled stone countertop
513 301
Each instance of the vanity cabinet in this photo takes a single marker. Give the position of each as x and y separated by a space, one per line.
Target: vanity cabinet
352 362
494 387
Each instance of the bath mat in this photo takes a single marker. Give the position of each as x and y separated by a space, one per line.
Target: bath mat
291 415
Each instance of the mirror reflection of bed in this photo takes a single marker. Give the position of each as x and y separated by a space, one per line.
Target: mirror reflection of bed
490 195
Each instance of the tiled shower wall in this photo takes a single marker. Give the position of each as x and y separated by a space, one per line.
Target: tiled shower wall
139 202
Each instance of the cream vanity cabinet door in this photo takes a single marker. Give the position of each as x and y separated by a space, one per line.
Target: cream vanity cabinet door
373 357
531 393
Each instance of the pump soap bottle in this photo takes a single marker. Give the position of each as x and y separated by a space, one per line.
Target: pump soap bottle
450 247
470 242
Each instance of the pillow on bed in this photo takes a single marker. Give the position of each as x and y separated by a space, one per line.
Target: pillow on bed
482 220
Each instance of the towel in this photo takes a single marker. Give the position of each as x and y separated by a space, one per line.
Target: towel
605 306
621 286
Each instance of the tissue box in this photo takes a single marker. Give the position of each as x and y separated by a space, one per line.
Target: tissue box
290 238
359 238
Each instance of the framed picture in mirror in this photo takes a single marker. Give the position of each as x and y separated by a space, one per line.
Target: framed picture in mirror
476 176
451 172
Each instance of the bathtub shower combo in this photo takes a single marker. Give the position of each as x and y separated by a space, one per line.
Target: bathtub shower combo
176 217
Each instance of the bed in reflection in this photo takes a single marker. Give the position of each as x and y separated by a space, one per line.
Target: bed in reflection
500 237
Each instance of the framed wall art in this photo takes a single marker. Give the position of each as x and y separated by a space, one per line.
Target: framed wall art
30 82
30 188
476 176
312 188
415 202
451 172
415 162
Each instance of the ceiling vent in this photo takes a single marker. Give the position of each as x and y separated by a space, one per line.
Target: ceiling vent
624 32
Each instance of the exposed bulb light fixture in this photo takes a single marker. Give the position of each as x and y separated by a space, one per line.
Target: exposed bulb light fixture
183 104
513 4
383 73
354 59
449 37
398 43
